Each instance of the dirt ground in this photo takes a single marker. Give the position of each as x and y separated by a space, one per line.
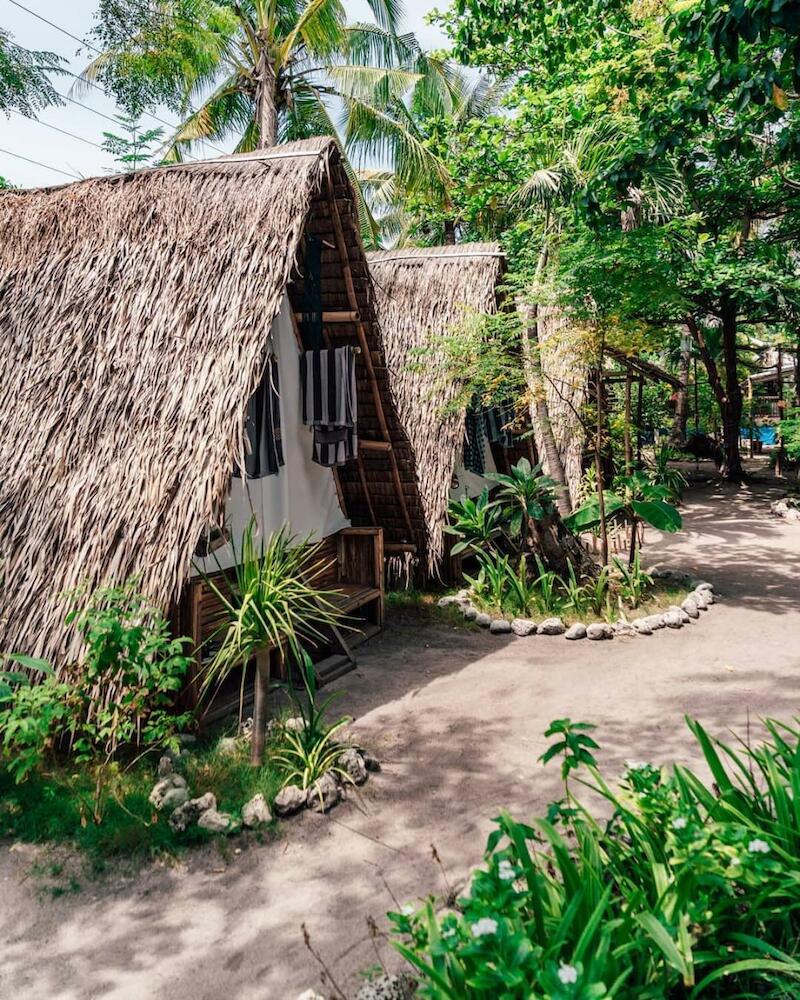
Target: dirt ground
458 720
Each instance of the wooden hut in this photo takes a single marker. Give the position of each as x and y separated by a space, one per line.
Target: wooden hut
422 294
137 315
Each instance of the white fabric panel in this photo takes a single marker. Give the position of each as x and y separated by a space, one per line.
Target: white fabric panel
303 494
469 483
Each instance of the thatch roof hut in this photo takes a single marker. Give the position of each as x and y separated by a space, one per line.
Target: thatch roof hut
422 294
134 317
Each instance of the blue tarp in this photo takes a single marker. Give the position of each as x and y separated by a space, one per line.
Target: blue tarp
765 434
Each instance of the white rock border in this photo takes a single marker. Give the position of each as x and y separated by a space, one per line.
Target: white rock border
699 598
783 509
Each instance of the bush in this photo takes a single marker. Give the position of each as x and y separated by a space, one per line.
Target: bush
119 695
688 890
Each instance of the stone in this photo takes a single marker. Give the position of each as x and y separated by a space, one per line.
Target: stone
599 630
256 812
289 800
174 798
470 613
296 724
462 595
190 811
700 598
500 626
163 787
704 585
165 766
690 607
352 763
483 619
551 626
323 794
576 631
655 622
228 745
388 987
186 739
673 619
448 601
523 626
641 626
673 609
310 995
217 822
623 628
371 762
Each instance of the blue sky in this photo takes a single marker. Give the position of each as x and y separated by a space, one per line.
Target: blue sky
36 141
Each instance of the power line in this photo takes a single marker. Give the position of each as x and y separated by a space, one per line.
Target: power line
91 83
63 131
36 163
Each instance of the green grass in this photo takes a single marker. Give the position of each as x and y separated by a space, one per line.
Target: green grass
55 807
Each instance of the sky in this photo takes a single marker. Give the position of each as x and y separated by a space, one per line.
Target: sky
61 157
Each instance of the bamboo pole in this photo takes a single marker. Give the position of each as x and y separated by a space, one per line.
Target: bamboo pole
627 428
260 708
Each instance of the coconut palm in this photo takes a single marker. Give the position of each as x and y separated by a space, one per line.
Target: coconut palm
267 71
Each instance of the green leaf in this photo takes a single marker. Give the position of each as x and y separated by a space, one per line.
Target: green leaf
658 514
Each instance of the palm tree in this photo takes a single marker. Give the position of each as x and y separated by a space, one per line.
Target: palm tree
268 71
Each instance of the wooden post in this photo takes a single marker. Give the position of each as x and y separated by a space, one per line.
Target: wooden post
627 427
639 419
260 708
779 456
598 459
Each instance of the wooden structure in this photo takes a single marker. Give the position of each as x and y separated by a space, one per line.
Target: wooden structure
422 294
135 312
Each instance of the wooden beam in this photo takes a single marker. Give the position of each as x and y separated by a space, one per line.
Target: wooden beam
399 547
362 337
343 316
383 446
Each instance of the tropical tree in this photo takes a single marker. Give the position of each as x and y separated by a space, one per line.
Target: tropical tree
263 72
25 85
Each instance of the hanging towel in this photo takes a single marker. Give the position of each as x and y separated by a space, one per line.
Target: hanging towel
474 431
328 388
499 420
264 455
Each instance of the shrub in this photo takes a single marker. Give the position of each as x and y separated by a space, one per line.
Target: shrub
31 715
688 890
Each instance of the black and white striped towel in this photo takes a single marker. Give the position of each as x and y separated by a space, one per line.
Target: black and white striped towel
328 389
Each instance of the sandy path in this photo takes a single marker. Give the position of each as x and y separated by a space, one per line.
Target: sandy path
458 720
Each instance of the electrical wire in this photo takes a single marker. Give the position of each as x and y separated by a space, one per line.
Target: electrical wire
63 131
38 163
91 83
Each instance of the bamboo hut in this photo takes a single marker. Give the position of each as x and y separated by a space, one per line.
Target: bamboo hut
422 294
137 313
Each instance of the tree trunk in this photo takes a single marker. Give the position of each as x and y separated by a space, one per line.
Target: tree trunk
553 464
260 708
797 372
449 232
732 470
710 364
598 459
266 104
779 457
677 437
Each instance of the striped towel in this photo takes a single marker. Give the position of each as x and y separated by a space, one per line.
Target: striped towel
499 420
329 402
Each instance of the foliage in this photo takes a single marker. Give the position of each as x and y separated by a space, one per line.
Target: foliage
476 522
661 473
271 599
120 695
25 85
790 434
525 495
689 890
135 148
633 499
31 715
304 755
123 690
633 580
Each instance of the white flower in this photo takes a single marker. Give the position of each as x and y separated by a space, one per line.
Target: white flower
407 910
568 974
484 926
735 861
505 870
758 847
450 932
679 823
636 765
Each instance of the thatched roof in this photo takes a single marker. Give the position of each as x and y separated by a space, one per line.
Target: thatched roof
423 293
134 316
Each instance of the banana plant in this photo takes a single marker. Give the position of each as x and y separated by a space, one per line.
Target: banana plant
633 500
